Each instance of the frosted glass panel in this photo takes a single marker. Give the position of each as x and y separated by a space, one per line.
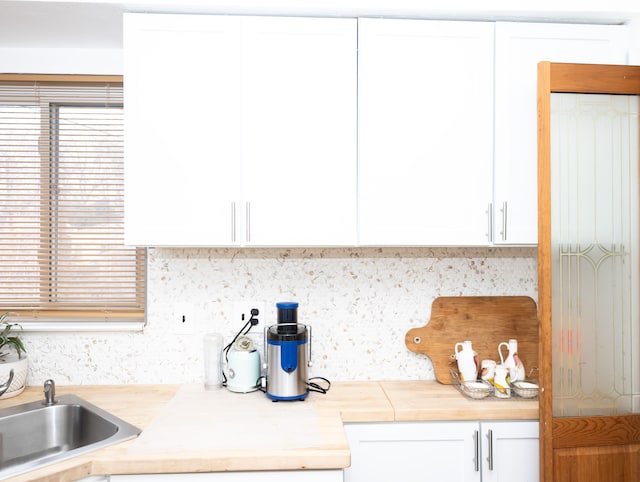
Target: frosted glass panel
594 216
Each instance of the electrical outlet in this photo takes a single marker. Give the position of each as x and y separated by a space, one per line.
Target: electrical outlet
184 324
241 312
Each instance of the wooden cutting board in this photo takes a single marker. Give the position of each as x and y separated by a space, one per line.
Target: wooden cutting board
486 321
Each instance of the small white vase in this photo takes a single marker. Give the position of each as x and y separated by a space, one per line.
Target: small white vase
467 361
512 362
20 368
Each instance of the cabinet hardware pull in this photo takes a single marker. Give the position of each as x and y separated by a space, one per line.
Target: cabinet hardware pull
248 221
490 458
504 220
233 222
309 362
490 222
476 443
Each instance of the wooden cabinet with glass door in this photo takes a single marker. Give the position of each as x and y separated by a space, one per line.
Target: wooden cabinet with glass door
588 274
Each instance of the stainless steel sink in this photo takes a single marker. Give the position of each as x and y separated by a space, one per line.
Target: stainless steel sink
36 434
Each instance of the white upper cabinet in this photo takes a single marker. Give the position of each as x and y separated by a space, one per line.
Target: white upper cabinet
519 48
289 131
425 132
240 130
182 128
299 131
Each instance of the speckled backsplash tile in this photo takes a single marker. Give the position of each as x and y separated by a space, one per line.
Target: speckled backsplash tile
359 302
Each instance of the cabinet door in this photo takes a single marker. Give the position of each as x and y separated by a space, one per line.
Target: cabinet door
519 48
425 131
182 128
413 452
510 451
299 131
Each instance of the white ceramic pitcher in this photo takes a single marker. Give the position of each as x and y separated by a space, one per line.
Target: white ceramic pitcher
512 362
467 361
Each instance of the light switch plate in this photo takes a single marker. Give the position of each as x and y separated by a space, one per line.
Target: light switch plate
184 322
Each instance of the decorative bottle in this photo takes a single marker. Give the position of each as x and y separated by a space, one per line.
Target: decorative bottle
467 361
512 362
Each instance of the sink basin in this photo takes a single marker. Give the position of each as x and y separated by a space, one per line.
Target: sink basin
33 435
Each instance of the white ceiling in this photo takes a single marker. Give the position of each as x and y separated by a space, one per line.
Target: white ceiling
98 23
48 24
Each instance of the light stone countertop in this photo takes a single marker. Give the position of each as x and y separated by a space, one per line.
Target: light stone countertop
150 407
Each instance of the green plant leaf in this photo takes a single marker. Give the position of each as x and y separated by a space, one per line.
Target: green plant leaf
8 337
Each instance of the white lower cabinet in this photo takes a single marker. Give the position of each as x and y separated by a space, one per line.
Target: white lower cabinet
510 451
270 476
443 451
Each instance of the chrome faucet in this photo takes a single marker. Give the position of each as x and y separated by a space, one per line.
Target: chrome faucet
49 393
5 386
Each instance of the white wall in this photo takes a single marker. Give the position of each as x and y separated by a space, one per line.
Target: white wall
634 34
60 60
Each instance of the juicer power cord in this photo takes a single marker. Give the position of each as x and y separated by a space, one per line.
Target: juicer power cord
314 387
311 385
253 321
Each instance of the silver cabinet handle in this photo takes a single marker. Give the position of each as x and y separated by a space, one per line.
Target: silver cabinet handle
490 222
233 222
490 440
504 221
309 363
266 350
248 222
476 443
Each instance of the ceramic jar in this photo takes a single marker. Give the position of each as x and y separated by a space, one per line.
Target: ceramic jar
488 370
502 382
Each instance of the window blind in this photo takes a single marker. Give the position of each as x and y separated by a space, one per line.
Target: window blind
62 252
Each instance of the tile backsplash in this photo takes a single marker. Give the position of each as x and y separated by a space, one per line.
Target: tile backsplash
359 302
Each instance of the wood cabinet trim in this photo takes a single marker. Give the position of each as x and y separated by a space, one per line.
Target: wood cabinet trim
118 79
602 79
572 431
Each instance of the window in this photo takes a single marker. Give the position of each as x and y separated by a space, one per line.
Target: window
62 254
